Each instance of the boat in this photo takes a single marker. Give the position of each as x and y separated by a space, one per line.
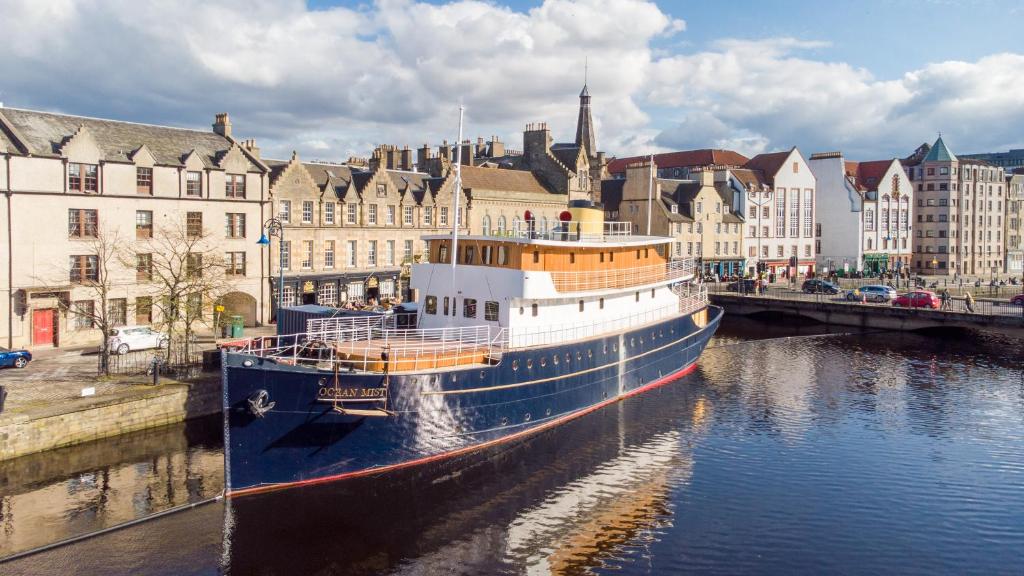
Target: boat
514 333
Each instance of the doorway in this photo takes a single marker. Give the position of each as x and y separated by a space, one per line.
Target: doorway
44 327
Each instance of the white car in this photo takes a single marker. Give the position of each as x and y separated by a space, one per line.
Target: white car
124 339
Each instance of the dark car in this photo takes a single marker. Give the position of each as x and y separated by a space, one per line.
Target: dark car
16 358
745 285
1017 300
816 286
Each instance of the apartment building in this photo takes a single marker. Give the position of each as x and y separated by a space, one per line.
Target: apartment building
72 180
1014 222
958 227
863 216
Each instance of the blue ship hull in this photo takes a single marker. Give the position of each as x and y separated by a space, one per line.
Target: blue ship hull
303 440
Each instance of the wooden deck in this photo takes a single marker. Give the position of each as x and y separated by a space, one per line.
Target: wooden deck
379 355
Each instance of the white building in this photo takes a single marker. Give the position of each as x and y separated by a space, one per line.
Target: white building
863 215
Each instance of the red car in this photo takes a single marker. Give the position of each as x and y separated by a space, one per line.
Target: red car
918 299
1017 300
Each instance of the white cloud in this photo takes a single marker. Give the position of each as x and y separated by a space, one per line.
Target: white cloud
332 83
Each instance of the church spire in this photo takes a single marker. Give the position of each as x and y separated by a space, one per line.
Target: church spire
585 137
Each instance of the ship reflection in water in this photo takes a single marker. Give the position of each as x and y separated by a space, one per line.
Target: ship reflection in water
854 454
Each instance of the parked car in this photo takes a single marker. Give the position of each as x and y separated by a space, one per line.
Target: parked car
918 299
818 286
873 293
16 358
124 339
745 285
1018 300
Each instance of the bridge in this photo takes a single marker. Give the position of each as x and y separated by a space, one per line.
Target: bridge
991 315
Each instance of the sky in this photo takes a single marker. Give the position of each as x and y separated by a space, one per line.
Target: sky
333 79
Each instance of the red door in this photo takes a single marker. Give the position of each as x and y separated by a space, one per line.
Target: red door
42 327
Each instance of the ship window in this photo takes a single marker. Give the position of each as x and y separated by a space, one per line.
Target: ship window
601 303
581 305
486 254
483 374
502 255
442 254
554 359
491 311
637 299
579 356
504 420
526 417
632 342
602 256
529 363
572 257
469 253
568 358
652 292
469 307
605 349
615 347
611 256
536 257
515 365
637 253
647 252
446 305
431 304
590 353
547 412
534 308
522 310
543 361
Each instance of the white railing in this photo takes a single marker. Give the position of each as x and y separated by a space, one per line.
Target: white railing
622 278
570 231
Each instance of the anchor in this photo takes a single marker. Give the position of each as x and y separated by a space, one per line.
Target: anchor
258 404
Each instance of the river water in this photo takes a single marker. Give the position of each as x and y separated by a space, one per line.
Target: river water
787 451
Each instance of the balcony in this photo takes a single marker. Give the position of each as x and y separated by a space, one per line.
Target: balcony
585 281
571 231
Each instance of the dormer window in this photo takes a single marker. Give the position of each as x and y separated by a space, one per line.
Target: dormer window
675 209
83 177
194 184
144 181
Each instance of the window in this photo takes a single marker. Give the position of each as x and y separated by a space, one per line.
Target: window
700 207
501 225
780 213
284 211
371 253
407 252
84 311
502 255
329 254
372 216
600 303
469 307
194 183
443 220
431 304
329 213
428 215
808 206
327 294
234 264
234 185
83 177
288 296
117 311
144 181
796 167
491 311
350 254
234 225
807 250
83 223
534 309
307 211
194 265
446 302
485 225
351 213
382 190
389 216
143 267
637 296
286 254
407 214
536 257
389 253
194 224
794 213
143 310
84 268
442 254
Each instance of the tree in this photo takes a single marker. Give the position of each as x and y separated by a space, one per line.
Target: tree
187 273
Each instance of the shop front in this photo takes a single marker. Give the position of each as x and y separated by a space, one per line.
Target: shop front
875 262
357 288
724 267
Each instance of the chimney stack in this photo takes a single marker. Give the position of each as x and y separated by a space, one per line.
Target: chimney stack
253 149
467 153
422 155
497 147
406 163
222 125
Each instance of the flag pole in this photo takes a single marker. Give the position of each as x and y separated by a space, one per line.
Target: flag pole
456 192
650 195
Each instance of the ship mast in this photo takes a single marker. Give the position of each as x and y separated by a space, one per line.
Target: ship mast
456 192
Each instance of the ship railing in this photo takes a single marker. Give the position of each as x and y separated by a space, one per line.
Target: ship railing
582 281
572 231
690 300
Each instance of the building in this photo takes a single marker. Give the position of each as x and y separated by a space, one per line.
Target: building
699 214
863 215
1014 222
71 181
1006 160
678 165
958 227
783 183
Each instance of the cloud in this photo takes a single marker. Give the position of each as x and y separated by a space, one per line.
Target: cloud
334 82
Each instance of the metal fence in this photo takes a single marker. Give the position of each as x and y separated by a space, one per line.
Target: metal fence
176 361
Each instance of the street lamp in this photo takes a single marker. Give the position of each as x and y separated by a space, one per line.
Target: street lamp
273 228
757 201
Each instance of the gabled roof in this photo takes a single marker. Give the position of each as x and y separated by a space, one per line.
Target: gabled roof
498 179
939 153
749 178
769 164
567 154
866 176
45 133
683 159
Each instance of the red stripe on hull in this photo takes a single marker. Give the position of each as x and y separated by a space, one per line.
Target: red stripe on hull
468 449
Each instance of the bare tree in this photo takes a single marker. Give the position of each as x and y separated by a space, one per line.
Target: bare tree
187 274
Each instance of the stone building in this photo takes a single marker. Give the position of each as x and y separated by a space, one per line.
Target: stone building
959 216
679 164
69 180
863 216
1014 222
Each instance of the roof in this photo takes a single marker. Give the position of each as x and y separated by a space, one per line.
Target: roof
748 178
567 154
769 164
939 153
683 159
500 179
869 174
45 133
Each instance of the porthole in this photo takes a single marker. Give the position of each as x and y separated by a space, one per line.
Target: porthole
632 342
504 421
579 355
529 363
652 334
615 347
543 361
526 417
547 412
554 358
568 358
590 353
661 333
604 350
641 340
323 381
515 365
483 374
454 377
672 330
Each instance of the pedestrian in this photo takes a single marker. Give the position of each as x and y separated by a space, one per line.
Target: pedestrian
969 302
944 297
